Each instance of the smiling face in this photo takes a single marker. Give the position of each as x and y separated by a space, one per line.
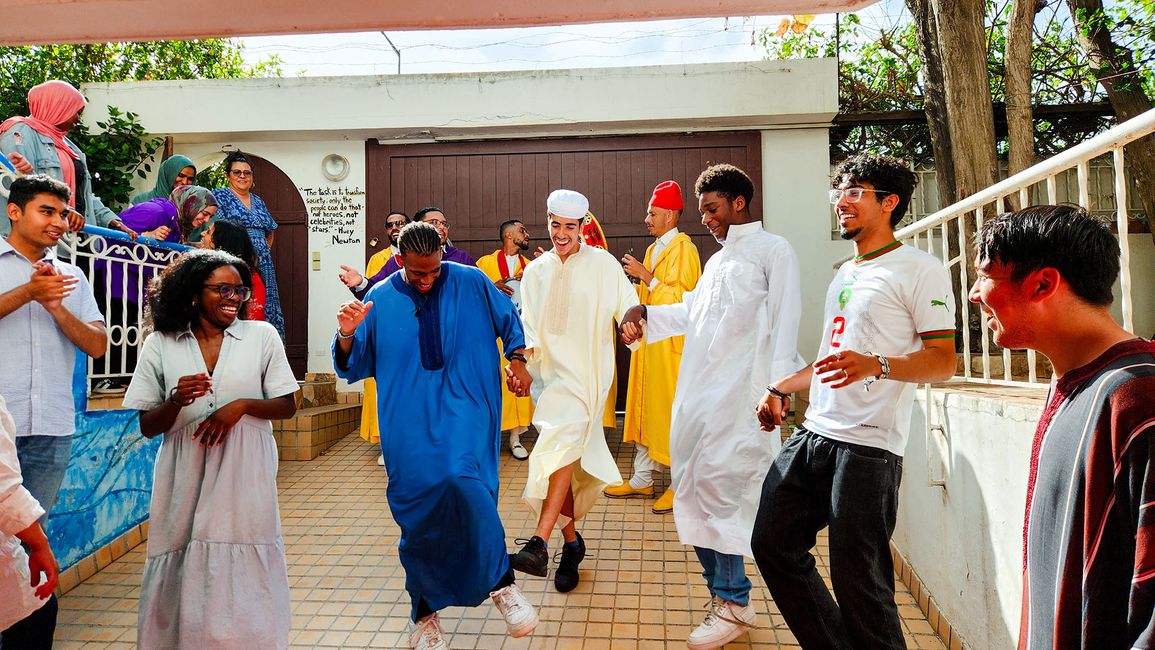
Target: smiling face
221 312
866 217
185 176
421 271
42 222
719 213
393 225
519 236
565 235
241 176
1005 303
438 221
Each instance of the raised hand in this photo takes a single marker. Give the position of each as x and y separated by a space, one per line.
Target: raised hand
636 269
539 252
351 314
351 277
75 220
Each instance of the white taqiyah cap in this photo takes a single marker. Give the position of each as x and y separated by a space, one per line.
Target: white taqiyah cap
567 204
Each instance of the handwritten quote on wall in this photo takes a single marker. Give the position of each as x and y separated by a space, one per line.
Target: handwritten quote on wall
335 211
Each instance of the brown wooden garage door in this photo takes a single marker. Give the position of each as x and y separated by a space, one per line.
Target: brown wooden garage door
481 184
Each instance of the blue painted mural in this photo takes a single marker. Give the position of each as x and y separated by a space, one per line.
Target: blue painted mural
109 481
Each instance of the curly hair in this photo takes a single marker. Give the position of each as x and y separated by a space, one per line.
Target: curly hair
419 238
234 240
171 306
886 174
727 180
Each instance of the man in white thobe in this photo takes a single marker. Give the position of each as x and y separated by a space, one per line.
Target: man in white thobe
741 328
571 297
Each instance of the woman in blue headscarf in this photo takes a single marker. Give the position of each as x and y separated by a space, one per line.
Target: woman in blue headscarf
174 172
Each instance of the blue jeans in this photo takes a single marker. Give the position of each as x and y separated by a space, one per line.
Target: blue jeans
817 482
725 575
43 461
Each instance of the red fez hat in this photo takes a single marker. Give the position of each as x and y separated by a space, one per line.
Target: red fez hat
667 195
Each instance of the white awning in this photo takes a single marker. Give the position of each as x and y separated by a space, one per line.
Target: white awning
29 22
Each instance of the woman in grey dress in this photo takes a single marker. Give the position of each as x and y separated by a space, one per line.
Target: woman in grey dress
210 383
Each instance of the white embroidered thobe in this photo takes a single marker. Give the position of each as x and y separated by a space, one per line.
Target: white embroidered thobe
18 510
741 328
569 311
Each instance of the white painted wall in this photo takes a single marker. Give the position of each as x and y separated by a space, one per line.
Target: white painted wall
301 161
964 539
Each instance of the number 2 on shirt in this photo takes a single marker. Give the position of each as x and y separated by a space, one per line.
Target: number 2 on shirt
836 332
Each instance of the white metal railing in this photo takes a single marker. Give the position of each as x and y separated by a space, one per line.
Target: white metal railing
934 232
119 270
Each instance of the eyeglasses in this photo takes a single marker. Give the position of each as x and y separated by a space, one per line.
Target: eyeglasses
227 291
852 194
243 173
389 225
437 222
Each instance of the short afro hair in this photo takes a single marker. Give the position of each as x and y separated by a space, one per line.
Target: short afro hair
727 180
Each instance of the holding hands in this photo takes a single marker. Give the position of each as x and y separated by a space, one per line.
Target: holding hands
771 410
517 377
633 324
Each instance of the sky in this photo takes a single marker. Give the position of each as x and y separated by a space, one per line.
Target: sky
665 42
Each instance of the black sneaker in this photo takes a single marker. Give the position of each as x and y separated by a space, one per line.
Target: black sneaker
532 558
566 576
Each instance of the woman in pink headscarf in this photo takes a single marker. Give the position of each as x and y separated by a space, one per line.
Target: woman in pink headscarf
39 144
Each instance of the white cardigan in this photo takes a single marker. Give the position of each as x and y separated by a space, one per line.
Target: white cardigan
18 509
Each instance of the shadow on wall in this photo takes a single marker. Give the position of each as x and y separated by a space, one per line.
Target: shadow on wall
108 486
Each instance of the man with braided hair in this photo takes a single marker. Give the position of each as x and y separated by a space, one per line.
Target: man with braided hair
428 335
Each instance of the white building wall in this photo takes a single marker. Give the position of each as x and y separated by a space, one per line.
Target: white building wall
964 537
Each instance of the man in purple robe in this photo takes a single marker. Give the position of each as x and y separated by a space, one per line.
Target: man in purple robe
360 285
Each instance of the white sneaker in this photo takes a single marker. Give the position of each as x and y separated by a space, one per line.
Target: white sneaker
428 634
515 447
381 460
724 622
519 615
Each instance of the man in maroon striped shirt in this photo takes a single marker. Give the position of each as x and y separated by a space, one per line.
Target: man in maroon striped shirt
1044 280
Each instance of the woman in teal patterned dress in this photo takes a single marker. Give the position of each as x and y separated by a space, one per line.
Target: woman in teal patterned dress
238 204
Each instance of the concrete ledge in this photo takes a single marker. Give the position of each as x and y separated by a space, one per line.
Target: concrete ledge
104 556
313 430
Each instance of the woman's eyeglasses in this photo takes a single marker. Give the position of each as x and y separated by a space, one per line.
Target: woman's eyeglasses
243 173
227 291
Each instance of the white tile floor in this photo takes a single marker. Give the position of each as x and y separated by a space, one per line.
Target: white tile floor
640 588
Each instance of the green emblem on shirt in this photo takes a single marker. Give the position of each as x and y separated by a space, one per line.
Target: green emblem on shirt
939 303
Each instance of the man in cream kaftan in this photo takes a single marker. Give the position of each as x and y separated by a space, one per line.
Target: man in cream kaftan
571 297
568 310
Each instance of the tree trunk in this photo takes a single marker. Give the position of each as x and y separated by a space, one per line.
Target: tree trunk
1114 68
968 93
934 98
1017 64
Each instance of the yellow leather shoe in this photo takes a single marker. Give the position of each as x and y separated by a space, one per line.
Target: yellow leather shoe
665 503
625 491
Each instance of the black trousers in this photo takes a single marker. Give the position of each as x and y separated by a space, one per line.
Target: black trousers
34 632
817 482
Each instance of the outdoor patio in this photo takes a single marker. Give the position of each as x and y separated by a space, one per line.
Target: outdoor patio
640 588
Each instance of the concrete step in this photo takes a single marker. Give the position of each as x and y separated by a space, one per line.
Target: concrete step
319 389
314 429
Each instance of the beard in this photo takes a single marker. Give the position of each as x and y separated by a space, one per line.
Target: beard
849 234
394 239
522 245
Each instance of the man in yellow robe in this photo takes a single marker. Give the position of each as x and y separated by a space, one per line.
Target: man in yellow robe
504 267
671 267
369 427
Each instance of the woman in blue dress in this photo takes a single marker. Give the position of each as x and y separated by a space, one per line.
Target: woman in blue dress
237 203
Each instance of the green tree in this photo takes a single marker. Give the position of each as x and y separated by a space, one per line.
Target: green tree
121 148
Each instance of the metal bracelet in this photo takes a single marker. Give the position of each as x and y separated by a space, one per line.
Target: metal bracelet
775 392
344 337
